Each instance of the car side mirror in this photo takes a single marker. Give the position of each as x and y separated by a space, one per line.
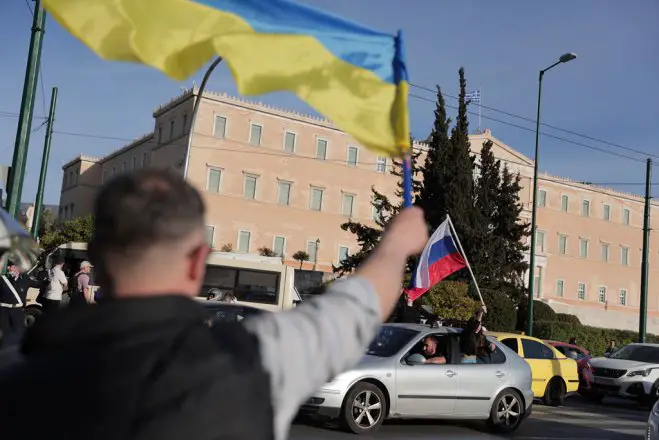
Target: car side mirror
415 359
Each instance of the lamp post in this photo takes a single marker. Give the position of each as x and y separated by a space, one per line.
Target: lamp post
315 254
529 308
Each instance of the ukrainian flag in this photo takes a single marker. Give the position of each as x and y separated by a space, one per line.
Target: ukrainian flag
353 75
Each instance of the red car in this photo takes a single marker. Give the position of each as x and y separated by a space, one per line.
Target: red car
582 356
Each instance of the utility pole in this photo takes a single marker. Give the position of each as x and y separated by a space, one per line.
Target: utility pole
38 204
645 266
15 187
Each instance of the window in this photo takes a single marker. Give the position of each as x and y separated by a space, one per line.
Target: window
143 160
585 208
249 190
512 344
321 149
243 241
289 142
114 171
220 127
562 244
607 212
601 294
347 206
624 256
565 203
185 123
311 250
171 129
134 163
376 214
542 198
213 180
316 202
160 134
581 291
210 236
343 253
539 241
247 285
560 288
255 131
622 297
284 193
71 208
536 350
583 249
353 152
123 167
626 213
605 252
279 246
105 176
381 165
537 282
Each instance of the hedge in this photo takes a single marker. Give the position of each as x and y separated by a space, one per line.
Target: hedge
450 300
594 339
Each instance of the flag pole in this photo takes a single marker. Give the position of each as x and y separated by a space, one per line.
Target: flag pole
457 239
407 180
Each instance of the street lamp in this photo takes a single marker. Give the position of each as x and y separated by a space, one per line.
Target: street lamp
529 308
315 254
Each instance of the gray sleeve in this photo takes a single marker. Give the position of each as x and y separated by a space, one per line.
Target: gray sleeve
306 347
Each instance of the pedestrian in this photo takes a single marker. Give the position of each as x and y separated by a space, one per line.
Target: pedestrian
81 292
611 348
13 293
145 364
58 283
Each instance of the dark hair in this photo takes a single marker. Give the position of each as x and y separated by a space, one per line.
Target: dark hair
468 339
141 209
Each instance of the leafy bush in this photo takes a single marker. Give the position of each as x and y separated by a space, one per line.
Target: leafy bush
266 252
566 317
593 339
543 312
449 299
501 315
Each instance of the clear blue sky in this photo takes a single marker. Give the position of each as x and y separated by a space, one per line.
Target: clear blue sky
610 92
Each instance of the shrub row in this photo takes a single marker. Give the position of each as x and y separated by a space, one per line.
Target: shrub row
594 339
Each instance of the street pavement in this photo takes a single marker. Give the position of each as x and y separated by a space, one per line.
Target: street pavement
577 420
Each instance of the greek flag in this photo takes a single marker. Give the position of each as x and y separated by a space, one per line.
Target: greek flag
474 96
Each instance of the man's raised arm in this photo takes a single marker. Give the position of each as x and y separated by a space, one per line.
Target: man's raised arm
305 347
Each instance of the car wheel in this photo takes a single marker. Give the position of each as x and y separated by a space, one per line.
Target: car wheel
652 398
555 392
364 409
507 412
31 316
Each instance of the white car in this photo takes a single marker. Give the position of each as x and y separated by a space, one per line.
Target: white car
631 372
653 424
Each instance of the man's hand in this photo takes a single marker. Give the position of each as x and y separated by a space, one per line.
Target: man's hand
405 236
436 360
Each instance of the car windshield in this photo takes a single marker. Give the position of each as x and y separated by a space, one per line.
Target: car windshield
390 340
638 353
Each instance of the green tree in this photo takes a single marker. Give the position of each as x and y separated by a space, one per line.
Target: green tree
266 252
511 230
368 236
301 256
79 229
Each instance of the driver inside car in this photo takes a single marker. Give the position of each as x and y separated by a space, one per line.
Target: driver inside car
431 351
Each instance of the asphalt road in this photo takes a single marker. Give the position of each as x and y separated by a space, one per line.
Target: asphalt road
577 420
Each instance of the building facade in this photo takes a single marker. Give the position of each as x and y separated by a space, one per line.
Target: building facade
280 180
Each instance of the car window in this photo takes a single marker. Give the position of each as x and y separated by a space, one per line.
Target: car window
230 313
638 353
390 340
536 350
512 344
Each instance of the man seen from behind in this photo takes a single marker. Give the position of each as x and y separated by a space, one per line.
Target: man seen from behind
144 364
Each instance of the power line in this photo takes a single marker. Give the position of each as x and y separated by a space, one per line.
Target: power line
622 147
27 3
601 150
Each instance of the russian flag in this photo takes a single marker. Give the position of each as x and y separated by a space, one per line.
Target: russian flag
440 258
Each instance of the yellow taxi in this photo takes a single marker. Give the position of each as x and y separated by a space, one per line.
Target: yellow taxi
554 375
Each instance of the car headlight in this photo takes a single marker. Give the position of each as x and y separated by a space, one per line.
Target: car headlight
643 373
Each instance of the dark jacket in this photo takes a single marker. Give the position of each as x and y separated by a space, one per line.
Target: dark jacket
136 369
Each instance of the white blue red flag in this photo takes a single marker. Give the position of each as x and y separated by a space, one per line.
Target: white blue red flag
440 258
